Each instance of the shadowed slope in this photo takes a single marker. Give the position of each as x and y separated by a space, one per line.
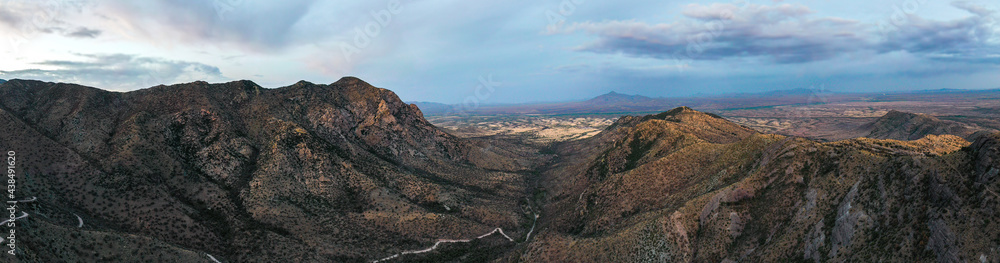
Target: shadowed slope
703 191
905 126
342 172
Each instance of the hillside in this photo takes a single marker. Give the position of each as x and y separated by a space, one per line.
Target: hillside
307 172
684 186
900 125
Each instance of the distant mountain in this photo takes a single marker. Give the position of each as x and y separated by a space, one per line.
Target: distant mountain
799 92
941 90
618 98
617 103
611 102
433 108
344 172
906 126
2 81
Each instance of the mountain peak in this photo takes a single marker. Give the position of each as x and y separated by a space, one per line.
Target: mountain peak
680 109
707 126
351 80
244 85
302 83
682 113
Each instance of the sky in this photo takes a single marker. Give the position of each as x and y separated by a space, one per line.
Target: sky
510 51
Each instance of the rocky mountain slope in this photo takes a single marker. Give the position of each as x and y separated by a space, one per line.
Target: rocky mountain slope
685 186
342 172
898 125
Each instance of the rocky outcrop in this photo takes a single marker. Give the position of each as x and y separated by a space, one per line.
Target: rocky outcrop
764 198
846 224
987 150
307 172
813 242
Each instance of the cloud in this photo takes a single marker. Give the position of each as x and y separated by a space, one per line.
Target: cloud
118 71
718 11
254 25
25 18
83 32
787 34
973 38
783 33
973 8
968 38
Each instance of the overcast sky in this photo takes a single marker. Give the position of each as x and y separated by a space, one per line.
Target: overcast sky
528 51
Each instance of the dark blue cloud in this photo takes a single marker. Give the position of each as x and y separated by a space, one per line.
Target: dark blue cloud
788 34
256 25
970 39
83 32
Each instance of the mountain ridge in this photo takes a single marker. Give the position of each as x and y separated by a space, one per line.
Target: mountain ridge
222 168
651 190
241 173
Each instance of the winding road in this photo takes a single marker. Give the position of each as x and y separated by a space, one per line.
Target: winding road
28 200
435 246
432 248
212 258
79 219
23 215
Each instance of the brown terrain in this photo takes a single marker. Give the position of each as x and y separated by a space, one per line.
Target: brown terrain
316 173
347 172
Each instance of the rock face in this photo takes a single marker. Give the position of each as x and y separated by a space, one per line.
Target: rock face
339 172
906 126
685 186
